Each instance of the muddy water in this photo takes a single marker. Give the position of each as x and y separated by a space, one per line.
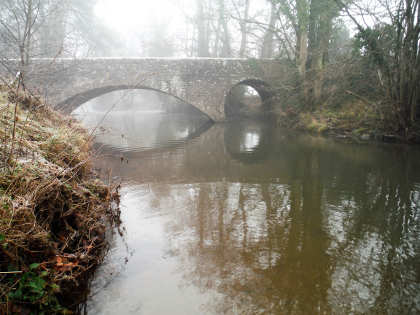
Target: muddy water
244 218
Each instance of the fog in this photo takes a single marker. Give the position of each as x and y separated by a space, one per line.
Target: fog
165 28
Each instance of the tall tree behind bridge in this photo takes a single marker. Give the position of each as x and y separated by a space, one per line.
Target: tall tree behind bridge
226 50
241 10
268 40
85 34
212 28
202 31
157 41
303 28
51 33
245 13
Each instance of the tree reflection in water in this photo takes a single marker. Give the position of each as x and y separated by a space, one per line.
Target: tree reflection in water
341 237
297 225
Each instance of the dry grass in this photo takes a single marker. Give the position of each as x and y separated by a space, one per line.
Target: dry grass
353 117
53 212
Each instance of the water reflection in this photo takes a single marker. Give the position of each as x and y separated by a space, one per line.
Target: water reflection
312 226
248 141
139 120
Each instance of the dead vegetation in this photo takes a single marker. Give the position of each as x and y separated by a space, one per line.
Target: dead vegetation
350 106
53 213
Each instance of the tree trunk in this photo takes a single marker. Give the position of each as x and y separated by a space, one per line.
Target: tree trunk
244 30
52 33
301 29
301 56
302 51
215 52
226 50
267 47
203 43
320 24
26 40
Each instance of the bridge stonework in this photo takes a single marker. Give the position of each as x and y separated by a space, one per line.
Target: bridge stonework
201 82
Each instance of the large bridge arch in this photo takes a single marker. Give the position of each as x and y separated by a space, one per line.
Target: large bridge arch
73 102
201 82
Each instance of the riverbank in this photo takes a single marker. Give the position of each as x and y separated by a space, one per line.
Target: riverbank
353 121
54 213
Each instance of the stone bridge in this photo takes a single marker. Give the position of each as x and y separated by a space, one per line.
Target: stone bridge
201 82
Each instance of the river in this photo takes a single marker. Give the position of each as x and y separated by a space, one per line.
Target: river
247 218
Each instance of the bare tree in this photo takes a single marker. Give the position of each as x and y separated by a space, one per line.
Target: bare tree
393 48
226 40
267 46
241 9
18 19
202 31
305 26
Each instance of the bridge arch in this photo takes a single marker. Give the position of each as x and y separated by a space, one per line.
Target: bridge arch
73 102
233 106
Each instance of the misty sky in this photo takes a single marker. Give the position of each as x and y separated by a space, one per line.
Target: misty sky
137 20
134 20
136 15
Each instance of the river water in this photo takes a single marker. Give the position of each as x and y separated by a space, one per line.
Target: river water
247 218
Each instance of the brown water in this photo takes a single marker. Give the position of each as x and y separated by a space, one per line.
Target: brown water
250 219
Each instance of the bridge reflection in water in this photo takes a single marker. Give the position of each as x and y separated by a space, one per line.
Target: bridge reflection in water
249 219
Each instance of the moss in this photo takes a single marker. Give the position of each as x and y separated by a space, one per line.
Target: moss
359 131
309 122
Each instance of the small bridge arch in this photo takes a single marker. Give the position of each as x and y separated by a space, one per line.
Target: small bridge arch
265 92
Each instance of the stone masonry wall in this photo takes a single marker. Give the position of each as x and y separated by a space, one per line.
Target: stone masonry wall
201 82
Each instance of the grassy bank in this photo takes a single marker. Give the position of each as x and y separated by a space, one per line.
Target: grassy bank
53 212
354 120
